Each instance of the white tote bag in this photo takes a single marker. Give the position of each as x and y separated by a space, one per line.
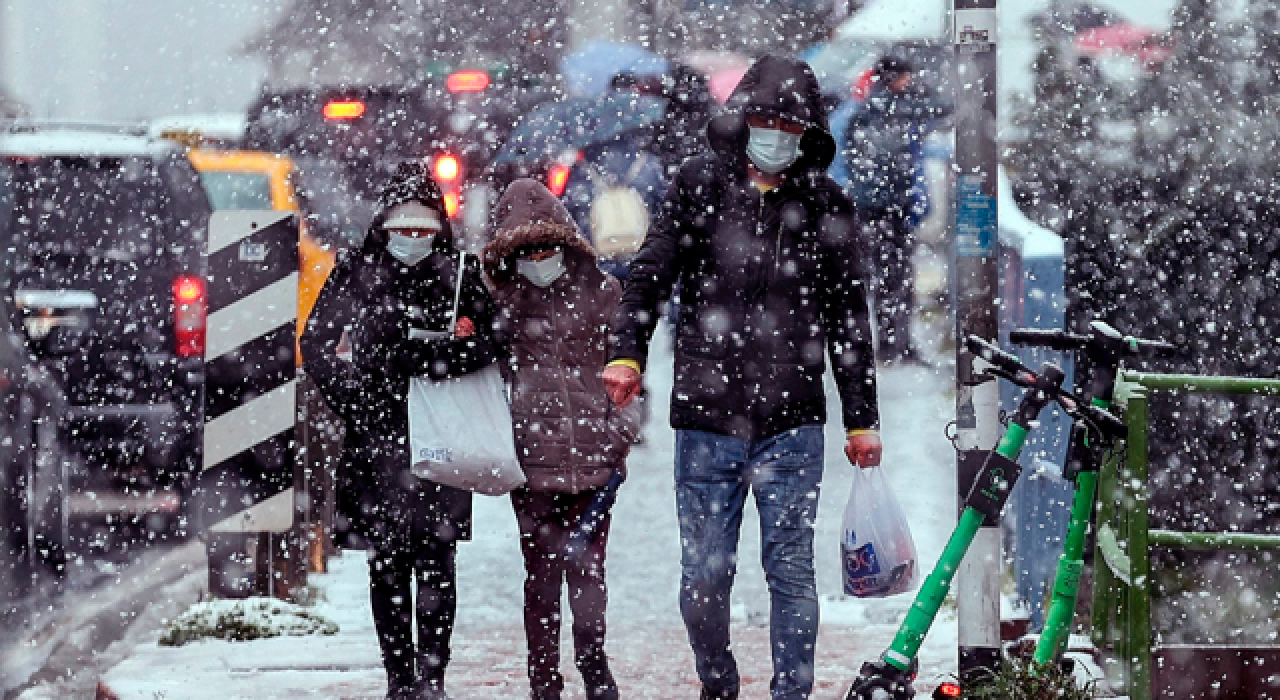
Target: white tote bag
460 432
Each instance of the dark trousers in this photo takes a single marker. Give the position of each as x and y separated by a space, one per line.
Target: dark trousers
392 571
545 520
894 282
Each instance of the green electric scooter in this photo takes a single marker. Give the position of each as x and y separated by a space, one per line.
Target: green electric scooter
1103 350
892 676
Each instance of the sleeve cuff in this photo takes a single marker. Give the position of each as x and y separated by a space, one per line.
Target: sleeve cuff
862 431
626 362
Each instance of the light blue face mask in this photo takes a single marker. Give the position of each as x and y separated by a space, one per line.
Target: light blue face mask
772 150
409 250
542 273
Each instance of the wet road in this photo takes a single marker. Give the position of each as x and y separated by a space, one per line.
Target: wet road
58 636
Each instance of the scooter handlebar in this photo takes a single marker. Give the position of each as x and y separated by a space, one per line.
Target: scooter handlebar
1048 338
1152 348
1107 423
994 355
1107 337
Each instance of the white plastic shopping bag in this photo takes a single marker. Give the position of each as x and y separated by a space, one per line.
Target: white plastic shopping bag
460 432
878 553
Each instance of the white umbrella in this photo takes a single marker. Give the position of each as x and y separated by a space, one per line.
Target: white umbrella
895 21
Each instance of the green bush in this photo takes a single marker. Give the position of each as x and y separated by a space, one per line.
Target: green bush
1030 681
244 620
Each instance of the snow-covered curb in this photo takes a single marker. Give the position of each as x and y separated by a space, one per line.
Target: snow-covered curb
244 620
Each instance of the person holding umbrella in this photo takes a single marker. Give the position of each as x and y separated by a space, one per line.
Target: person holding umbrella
556 307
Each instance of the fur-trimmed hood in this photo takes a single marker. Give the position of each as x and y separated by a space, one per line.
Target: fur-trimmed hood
528 214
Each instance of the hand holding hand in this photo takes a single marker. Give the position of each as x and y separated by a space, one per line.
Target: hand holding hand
622 383
464 328
864 449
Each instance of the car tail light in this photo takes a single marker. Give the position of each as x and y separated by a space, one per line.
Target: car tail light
558 179
467 81
948 690
189 310
342 110
447 168
451 201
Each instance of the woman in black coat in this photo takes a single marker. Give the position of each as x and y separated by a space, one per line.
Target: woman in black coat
401 280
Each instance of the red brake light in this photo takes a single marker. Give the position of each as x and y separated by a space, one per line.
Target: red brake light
187 289
558 179
467 81
447 168
948 690
451 200
343 109
189 310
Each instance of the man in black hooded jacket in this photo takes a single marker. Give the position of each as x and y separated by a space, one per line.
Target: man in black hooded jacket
764 247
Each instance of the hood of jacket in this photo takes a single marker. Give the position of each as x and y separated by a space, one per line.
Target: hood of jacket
775 86
528 214
411 182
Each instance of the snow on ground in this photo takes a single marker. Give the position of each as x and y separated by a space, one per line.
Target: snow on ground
646 640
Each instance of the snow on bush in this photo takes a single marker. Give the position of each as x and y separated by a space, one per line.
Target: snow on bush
244 620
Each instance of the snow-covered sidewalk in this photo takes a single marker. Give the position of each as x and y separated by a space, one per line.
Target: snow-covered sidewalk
646 640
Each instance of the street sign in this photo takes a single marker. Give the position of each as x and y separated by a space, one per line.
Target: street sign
250 459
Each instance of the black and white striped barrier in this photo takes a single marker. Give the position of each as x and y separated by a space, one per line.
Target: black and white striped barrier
250 467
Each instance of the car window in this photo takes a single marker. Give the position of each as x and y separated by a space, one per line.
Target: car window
117 208
237 190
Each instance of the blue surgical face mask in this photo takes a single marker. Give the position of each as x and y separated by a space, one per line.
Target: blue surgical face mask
772 150
542 273
409 250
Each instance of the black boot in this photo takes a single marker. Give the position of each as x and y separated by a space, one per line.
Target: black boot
598 680
401 691
726 694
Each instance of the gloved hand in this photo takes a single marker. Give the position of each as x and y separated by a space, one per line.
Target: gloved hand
622 383
864 448
464 328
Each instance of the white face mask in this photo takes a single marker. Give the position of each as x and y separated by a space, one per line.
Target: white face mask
772 150
409 250
542 273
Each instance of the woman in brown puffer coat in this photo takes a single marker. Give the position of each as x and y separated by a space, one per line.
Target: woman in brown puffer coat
557 306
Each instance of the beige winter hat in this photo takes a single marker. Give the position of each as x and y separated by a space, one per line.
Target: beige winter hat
413 215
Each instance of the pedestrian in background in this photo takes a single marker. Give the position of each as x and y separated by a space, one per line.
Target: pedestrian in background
883 150
391 301
557 307
764 246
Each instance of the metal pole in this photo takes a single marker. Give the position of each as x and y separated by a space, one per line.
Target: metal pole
977 276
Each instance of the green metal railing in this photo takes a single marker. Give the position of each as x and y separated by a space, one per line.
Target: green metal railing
1121 589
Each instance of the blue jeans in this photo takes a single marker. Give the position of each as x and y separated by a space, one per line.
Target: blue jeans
713 474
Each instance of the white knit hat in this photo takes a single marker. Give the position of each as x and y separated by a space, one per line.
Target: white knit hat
414 215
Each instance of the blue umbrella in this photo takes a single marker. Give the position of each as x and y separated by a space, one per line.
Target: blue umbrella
589 70
574 124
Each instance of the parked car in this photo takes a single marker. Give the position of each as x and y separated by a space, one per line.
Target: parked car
107 229
34 463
